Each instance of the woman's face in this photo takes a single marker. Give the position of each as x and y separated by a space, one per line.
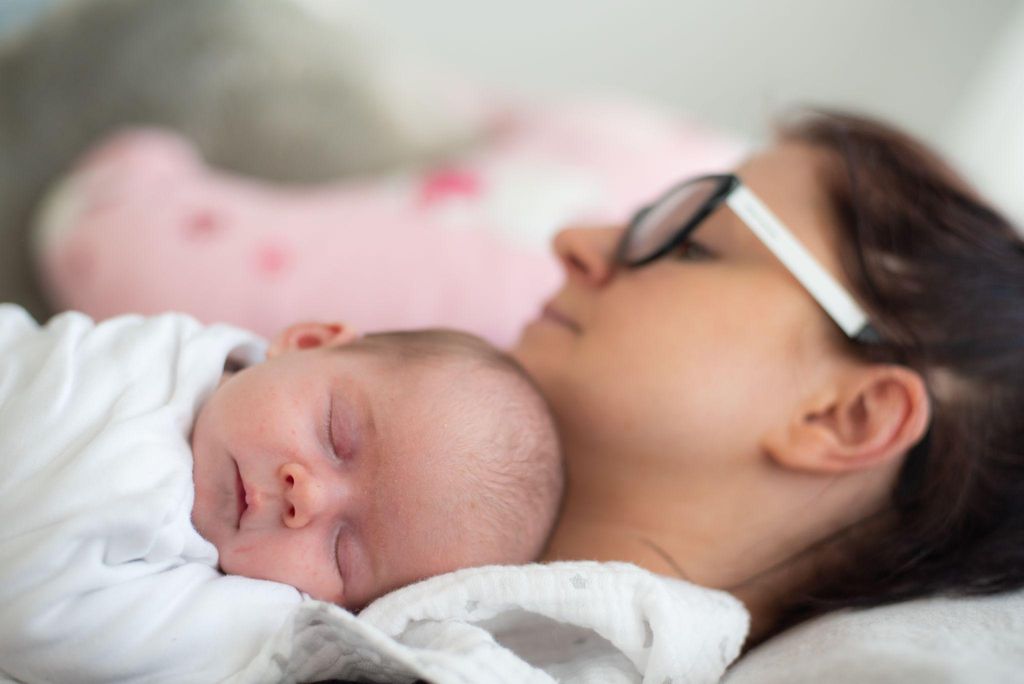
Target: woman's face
695 355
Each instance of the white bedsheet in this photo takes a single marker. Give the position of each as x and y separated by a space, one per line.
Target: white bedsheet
935 640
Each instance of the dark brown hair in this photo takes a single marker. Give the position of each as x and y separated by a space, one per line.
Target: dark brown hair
941 274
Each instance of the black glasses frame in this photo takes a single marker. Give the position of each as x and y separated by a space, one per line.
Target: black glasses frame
726 184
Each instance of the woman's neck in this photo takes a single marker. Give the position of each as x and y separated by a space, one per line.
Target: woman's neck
601 530
578 538
682 533
736 533
603 519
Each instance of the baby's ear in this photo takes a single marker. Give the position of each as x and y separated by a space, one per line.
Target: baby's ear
310 336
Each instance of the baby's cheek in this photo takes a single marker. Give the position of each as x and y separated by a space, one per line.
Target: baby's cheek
235 560
287 557
252 555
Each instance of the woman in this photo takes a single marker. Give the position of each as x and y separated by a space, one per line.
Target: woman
720 426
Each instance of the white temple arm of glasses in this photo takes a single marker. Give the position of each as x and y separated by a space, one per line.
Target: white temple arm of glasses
794 256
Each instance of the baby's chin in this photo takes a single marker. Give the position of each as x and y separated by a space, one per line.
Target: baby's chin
204 478
227 564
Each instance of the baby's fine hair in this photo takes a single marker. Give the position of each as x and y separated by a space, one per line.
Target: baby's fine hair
513 465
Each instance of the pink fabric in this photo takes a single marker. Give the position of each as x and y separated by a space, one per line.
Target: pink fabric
143 225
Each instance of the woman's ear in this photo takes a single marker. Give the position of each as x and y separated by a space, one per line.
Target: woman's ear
875 416
310 336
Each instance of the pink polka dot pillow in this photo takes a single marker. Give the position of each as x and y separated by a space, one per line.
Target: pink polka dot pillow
142 224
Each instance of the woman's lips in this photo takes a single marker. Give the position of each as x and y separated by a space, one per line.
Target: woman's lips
240 492
552 314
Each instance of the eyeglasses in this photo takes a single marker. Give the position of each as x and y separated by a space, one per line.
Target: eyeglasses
672 219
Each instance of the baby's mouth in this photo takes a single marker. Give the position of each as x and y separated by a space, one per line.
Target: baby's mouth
240 491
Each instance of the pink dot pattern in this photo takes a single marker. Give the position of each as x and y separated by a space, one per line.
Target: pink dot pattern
448 183
272 260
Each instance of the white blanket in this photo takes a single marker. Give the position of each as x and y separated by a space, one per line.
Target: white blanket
103 577
935 640
571 622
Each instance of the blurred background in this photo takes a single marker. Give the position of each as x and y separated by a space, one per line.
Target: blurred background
950 70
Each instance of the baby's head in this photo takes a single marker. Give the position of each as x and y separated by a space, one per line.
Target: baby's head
348 466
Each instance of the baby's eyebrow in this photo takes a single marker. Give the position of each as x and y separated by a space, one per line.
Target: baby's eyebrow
351 403
368 418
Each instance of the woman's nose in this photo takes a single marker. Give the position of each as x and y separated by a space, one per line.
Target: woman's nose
304 497
588 254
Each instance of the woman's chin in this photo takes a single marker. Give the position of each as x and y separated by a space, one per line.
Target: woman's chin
542 342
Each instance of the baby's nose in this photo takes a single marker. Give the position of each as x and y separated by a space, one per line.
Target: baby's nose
303 495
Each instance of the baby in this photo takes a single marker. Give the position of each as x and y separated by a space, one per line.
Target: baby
145 457
347 466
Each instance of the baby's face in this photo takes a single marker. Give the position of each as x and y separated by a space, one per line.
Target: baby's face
331 469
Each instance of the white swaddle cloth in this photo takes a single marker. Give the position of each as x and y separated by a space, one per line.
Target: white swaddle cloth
535 624
103 577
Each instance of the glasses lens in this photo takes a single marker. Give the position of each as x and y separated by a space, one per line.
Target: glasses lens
657 225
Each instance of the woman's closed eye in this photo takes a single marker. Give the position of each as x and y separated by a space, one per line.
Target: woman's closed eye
690 250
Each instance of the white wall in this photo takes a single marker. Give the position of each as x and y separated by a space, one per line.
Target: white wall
731 62
938 67
987 136
14 13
